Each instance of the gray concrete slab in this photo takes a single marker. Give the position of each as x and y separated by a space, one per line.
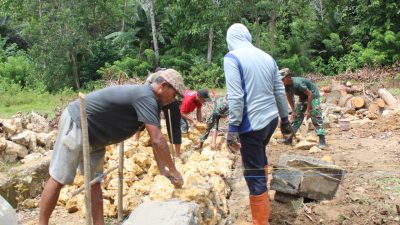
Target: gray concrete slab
172 212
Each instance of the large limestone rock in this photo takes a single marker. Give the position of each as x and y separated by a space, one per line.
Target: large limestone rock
32 157
161 189
304 145
39 123
13 148
3 144
45 139
130 201
26 138
17 121
8 127
110 209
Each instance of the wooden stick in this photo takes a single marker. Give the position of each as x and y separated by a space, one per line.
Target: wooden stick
171 134
365 94
86 160
309 217
120 181
95 180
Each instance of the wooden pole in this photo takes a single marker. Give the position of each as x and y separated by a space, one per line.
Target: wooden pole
95 180
120 181
86 160
172 136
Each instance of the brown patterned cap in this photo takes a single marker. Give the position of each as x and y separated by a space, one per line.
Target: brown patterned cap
174 78
284 72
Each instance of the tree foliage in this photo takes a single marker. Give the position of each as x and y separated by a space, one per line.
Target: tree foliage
75 43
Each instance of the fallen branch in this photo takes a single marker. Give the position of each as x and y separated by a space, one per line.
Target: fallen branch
365 94
309 217
355 213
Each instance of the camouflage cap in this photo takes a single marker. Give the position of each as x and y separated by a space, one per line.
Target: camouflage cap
284 72
174 78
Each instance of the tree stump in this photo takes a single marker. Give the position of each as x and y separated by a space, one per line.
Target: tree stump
357 102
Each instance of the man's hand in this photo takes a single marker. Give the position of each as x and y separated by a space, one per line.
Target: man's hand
286 128
232 139
176 178
308 114
199 146
192 123
292 116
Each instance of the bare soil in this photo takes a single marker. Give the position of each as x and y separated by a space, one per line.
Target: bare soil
369 193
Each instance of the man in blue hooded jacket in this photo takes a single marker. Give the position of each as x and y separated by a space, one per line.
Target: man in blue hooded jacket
256 98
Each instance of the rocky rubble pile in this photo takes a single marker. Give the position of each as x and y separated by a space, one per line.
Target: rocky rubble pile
204 173
25 137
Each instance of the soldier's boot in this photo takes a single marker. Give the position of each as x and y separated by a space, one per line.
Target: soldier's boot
322 143
286 141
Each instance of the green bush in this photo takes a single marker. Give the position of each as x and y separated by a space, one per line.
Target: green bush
297 64
140 66
333 45
17 68
202 75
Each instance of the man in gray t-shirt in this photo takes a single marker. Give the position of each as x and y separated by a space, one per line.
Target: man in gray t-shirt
113 114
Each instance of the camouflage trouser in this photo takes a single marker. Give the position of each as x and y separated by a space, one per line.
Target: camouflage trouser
212 123
316 116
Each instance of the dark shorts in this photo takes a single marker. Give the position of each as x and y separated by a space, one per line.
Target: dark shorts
254 157
175 115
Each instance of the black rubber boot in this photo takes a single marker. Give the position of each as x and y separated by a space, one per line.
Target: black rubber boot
286 141
322 143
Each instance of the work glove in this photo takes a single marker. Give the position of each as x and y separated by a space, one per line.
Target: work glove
232 139
286 128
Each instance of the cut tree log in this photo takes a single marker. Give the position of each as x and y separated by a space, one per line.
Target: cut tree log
380 102
342 88
333 97
358 102
344 99
391 102
348 107
354 89
373 107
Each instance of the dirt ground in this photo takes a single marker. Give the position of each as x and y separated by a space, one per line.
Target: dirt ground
369 193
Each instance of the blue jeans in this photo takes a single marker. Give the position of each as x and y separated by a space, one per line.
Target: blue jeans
254 157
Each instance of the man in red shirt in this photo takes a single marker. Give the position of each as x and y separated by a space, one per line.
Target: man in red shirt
192 100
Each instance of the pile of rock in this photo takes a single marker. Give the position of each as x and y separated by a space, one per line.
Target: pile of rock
204 173
23 135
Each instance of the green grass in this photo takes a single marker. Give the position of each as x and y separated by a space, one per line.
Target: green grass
390 185
28 101
394 91
6 166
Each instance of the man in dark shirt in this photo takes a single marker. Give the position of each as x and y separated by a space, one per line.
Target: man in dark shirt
308 105
113 114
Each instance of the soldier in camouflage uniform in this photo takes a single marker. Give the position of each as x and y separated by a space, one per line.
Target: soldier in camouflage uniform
220 111
308 105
